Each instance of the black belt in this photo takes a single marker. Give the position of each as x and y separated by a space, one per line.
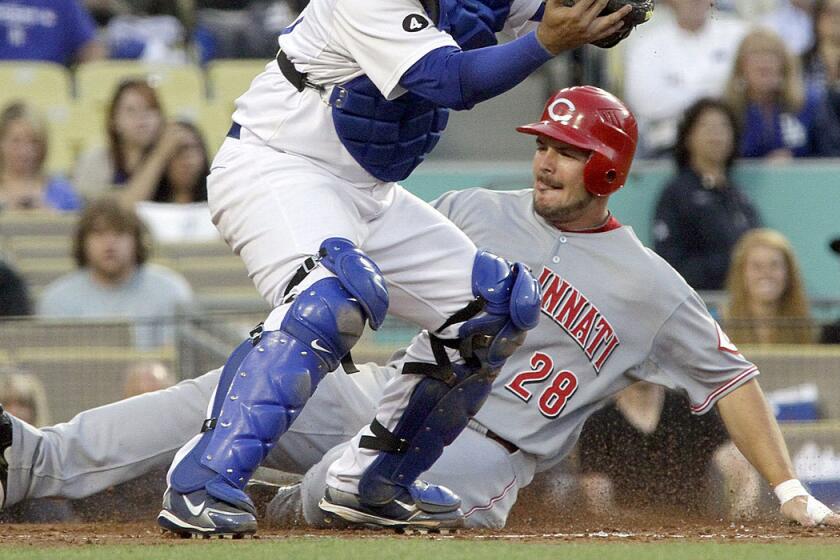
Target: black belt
296 78
511 448
490 434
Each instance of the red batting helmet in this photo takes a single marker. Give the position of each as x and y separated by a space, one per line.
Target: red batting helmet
590 118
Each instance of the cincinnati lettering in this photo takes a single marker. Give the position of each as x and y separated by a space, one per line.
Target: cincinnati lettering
576 315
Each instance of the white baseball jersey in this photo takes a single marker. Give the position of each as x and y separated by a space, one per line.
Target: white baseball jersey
334 41
613 312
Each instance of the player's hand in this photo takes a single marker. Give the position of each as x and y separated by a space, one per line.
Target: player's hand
568 27
809 512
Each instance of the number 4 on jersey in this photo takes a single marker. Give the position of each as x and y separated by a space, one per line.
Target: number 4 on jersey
553 399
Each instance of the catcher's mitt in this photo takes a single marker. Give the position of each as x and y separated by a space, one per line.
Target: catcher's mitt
642 11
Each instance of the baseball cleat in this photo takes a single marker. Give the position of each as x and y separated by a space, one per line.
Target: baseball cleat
199 514
422 506
5 443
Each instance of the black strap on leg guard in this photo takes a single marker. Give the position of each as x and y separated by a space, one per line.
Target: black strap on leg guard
383 440
442 368
303 271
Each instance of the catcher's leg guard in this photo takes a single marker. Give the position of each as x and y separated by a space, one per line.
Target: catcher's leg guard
263 388
506 305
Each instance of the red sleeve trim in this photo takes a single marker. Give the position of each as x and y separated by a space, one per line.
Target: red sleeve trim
720 391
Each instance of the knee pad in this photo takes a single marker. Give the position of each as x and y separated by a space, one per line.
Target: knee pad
493 326
268 380
511 297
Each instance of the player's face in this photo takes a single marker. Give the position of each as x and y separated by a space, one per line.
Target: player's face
711 139
765 274
111 254
559 193
20 149
136 122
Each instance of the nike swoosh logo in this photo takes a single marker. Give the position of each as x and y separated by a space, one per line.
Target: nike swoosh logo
317 346
405 506
195 510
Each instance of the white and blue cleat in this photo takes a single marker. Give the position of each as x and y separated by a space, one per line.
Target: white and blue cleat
198 514
422 507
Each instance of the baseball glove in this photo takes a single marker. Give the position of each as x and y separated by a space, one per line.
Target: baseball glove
642 12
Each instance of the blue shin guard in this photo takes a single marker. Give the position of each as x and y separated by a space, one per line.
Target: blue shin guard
441 404
264 386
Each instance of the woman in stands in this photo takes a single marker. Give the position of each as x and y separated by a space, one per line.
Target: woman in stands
780 117
767 301
177 210
185 177
140 145
822 62
24 185
702 212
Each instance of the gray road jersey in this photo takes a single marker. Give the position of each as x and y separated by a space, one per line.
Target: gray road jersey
613 312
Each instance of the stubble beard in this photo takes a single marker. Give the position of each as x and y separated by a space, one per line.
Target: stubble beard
560 214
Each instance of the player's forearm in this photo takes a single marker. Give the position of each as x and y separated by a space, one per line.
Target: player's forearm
459 79
752 427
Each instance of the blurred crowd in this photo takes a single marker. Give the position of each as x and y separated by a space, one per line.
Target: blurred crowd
711 83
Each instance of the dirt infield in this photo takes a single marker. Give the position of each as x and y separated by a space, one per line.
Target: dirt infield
124 516
147 533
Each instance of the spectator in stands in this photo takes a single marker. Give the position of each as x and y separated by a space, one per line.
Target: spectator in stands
23 150
780 117
140 146
674 63
767 302
633 458
14 295
59 31
822 63
103 11
113 278
184 178
23 395
701 213
153 31
178 209
831 333
146 377
245 28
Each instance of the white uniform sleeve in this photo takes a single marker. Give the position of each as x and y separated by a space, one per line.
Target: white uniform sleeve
692 353
519 20
375 34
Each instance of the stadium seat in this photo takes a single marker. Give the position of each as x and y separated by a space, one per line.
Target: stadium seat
41 84
228 79
181 87
214 121
37 246
14 223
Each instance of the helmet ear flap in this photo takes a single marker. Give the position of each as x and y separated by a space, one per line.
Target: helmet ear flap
601 176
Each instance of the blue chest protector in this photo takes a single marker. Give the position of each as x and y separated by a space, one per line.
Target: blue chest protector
389 139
